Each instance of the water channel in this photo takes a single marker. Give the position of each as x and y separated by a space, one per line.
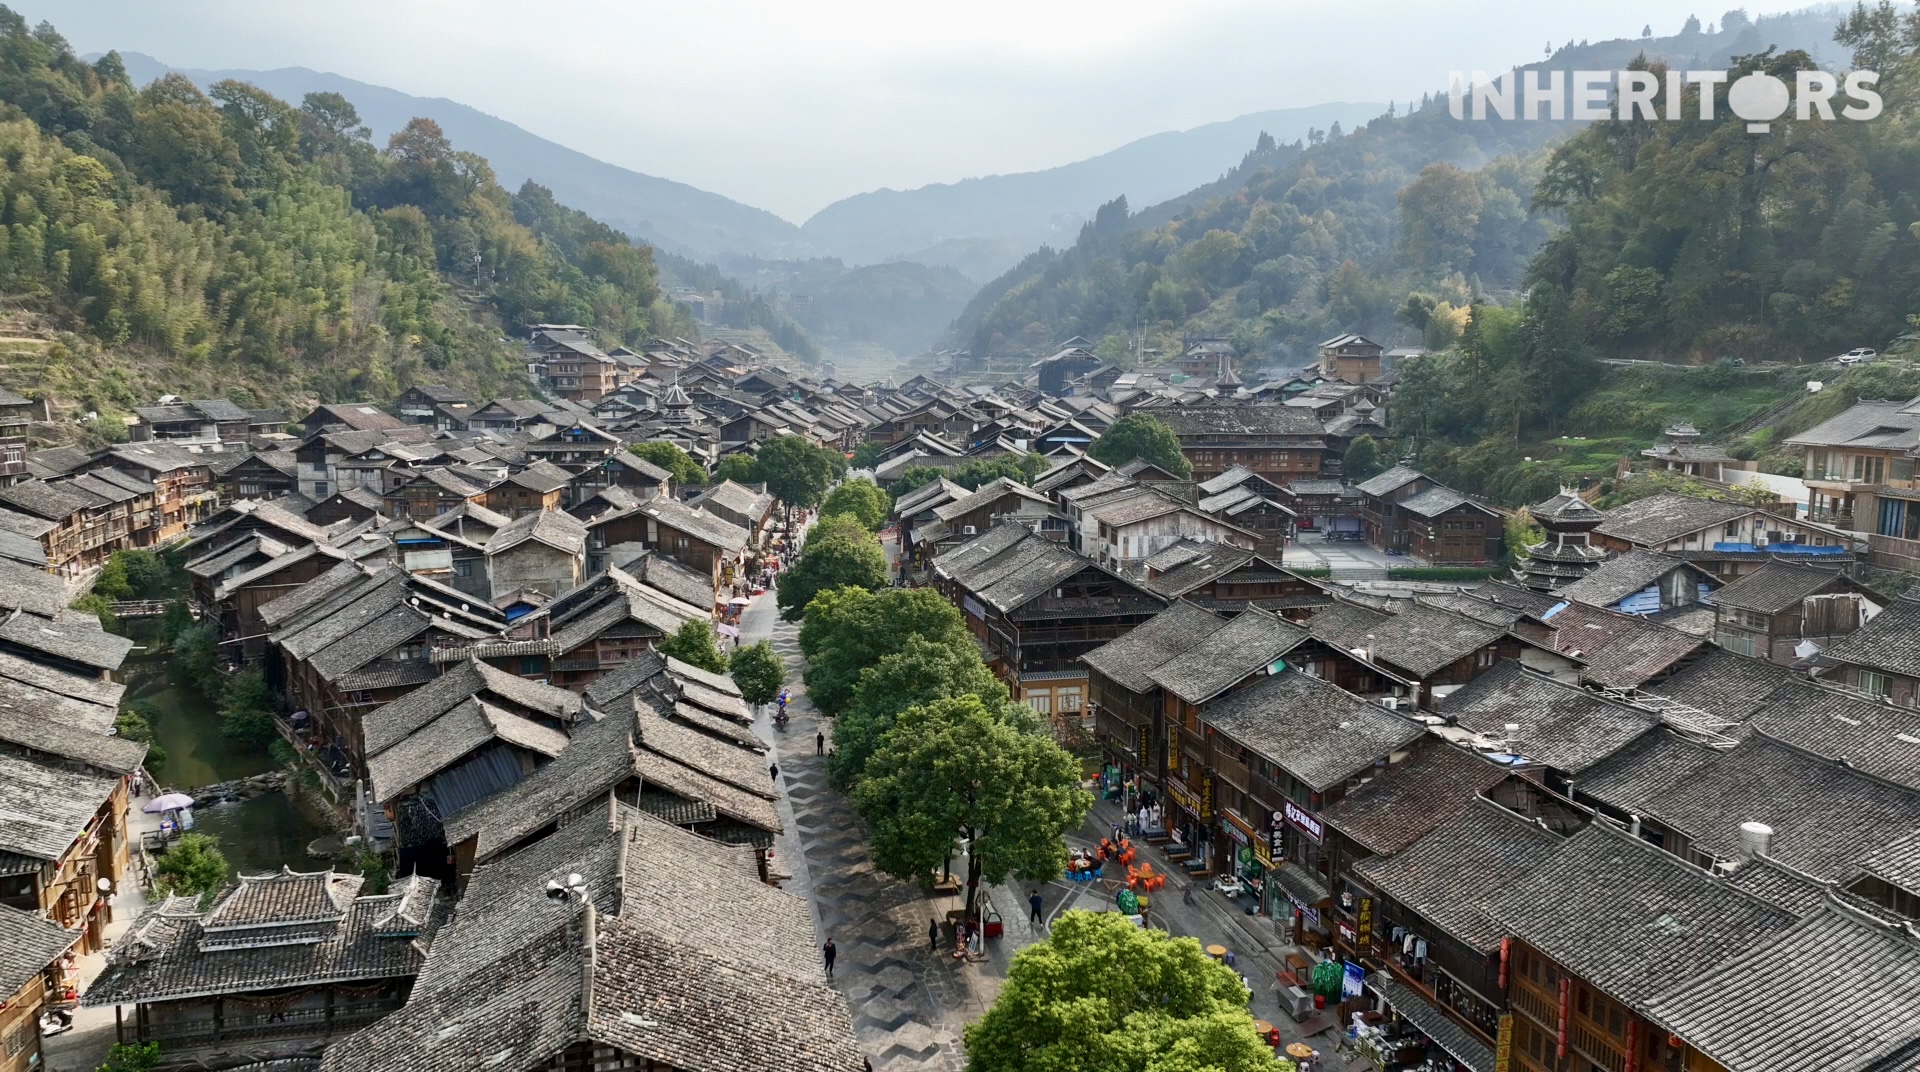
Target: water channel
255 835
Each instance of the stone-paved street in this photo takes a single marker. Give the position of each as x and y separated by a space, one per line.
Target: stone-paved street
909 1004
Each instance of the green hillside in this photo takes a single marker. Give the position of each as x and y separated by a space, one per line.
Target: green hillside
169 240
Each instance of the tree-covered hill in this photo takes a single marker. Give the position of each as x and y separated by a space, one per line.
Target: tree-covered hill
172 239
1303 241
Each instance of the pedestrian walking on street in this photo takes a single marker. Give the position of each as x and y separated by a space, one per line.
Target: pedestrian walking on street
773 771
820 743
1033 905
933 936
827 951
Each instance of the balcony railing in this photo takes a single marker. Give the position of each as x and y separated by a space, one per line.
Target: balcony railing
268 1024
1892 552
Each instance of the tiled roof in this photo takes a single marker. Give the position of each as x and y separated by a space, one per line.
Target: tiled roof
1452 873
390 723
1563 727
1776 587
1247 644
1391 480
1434 1022
557 529
1404 801
1436 501
1891 641
1725 683
542 476
1631 778
1525 600
1666 516
1879 423
1872 736
1565 508
1131 660
450 738
1238 420
173 952
1628 917
1423 639
1619 650
1897 862
28 943
1826 816
1315 731
282 898
698 523
1773 1004
681 946
1618 578
43 808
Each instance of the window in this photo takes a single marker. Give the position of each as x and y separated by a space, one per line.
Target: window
320 488
1733 529
1875 684
1487 658
463 567
1042 703
530 665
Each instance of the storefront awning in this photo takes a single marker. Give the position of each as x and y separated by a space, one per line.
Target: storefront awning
1433 1022
1301 886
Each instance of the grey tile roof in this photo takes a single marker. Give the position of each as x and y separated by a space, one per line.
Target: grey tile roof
44 807
1632 778
28 943
1566 728
1131 660
1436 501
1826 816
1776 587
1315 731
1424 639
170 954
1247 644
1627 916
1468 606
738 498
1406 800
1725 683
683 944
1617 578
36 591
1666 516
1789 888
542 476
1238 420
720 533
1891 641
557 529
599 757
1897 862
1774 1003
43 721
1452 873
1391 480
390 723
445 741
1434 1022
1873 736
1565 508
1883 424
1525 600
1620 650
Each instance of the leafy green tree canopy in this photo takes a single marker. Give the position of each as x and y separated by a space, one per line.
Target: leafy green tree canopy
959 768
670 457
847 630
696 644
759 671
839 553
798 472
1102 995
1363 459
1138 435
192 866
860 499
922 671
739 468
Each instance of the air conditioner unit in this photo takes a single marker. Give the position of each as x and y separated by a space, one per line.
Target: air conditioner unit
1391 703
969 530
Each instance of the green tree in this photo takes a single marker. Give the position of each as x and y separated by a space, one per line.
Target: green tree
1363 459
196 661
1439 213
759 671
798 472
670 457
1522 532
136 724
112 582
132 1057
98 605
839 553
921 672
697 644
867 454
148 575
847 630
192 866
957 768
1138 435
860 499
739 468
1102 995
246 709
912 479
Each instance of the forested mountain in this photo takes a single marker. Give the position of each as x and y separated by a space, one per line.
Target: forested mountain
1303 241
982 226
230 241
671 215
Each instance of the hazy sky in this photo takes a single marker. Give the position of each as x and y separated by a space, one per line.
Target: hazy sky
789 106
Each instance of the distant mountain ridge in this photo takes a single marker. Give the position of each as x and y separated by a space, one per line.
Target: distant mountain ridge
672 215
983 226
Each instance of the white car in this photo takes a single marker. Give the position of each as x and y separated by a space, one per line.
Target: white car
1858 356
